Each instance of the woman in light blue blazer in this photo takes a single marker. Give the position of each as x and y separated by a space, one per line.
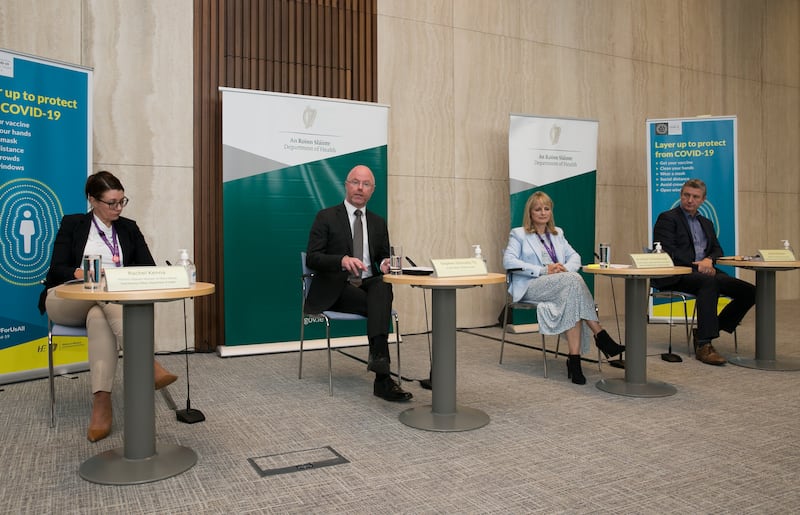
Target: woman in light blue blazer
545 272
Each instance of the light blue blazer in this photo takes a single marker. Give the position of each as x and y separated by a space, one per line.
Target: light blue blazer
525 251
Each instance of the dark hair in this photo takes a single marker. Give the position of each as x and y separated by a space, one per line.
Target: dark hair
696 184
100 182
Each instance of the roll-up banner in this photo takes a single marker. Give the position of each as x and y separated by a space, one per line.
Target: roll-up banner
704 148
557 156
285 157
45 157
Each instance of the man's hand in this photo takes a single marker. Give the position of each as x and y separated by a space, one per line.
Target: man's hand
353 265
705 266
385 266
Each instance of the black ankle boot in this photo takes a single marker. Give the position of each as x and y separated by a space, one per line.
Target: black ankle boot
574 371
607 345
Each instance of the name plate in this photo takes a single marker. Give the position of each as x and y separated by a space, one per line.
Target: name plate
776 254
458 267
136 278
652 260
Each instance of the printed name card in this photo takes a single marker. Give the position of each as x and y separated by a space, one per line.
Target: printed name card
136 278
458 267
776 254
652 260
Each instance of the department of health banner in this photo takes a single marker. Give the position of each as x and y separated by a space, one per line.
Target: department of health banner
285 157
45 156
680 149
557 156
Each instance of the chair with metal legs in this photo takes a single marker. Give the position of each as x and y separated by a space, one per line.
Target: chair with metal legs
308 317
54 330
510 304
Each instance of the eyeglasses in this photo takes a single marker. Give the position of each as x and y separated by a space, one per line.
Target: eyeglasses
356 184
116 204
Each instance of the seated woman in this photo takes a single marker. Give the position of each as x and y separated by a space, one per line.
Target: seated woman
120 242
545 273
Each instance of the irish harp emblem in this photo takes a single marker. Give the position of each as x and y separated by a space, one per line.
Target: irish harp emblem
309 115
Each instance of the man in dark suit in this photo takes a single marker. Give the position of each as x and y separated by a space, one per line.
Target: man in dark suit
690 240
348 275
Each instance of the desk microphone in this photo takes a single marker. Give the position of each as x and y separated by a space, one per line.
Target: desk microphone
188 415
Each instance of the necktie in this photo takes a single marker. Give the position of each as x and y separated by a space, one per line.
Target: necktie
358 245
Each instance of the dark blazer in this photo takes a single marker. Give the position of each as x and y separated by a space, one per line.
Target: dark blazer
672 230
71 240
329 241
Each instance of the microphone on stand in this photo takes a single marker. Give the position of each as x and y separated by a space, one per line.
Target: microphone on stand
188 415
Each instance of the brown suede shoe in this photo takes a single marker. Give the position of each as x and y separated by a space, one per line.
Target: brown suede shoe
708 354
100 423
162 376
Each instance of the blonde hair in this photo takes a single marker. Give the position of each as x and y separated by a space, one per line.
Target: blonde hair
545 200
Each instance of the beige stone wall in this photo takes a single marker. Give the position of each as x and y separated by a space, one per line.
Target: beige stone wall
453 70
141 55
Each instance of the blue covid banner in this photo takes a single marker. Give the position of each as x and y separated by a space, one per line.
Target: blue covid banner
45 156
695 148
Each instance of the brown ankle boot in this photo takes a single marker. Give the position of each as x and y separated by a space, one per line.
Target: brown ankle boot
163 378
100 423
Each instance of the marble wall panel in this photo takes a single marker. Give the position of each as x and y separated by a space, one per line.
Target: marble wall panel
439 12
142 57
782 223
781 136
722 37
781 42
420 219
421 114
653 96
553 81
753 212
42 28
643 30
499 17
656 31
481 213
486 83
622 219
159 201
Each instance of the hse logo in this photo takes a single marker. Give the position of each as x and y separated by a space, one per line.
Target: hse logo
29 217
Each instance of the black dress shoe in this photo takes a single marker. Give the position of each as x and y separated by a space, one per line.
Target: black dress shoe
388 390
378 364
426 383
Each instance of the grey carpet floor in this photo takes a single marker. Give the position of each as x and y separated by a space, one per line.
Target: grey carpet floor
727 442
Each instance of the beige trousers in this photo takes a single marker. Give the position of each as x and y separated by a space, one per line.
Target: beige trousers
104 329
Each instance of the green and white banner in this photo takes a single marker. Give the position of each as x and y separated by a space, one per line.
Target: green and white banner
45 157
557 156
285 157
680 149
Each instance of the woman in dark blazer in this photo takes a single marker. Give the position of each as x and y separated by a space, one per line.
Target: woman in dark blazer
119 242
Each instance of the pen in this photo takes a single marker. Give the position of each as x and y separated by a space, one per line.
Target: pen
409 260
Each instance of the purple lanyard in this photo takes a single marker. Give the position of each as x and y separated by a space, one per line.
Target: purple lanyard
114 248
551 250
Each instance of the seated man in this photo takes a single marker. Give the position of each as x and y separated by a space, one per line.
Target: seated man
690 240
348 248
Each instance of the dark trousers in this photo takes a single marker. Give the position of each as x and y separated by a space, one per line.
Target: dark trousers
373 299
707 289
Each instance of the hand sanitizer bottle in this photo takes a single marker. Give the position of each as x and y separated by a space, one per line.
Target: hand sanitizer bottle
657 248
185 262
